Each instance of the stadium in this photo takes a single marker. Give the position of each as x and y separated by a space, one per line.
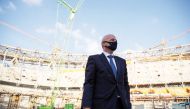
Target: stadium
30 79
53 79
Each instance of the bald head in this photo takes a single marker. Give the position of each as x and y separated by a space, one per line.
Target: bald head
109 43
108 38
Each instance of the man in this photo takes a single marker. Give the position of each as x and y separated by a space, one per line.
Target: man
106 82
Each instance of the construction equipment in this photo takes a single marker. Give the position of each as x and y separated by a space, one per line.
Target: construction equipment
164 43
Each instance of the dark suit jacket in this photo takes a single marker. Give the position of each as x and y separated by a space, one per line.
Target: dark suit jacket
101 87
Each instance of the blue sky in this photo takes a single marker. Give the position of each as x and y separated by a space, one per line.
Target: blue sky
138 24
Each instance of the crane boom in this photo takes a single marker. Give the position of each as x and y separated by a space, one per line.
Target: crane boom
163 43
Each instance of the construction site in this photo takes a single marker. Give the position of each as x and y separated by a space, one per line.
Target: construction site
31 79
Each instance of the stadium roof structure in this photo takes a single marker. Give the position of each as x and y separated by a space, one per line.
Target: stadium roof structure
172 53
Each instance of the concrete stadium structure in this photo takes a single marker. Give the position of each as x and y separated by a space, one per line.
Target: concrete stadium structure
158 78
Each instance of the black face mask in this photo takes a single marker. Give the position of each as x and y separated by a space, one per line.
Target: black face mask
112 45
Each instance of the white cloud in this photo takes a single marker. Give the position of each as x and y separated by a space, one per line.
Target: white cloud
83 42
59 28
84 25
86 42
77 34
90 45
33 2
93 31
45 30
93 46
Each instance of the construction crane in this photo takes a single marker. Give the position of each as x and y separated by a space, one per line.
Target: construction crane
71 10
70 20
164 43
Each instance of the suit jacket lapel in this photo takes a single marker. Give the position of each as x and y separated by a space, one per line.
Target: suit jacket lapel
107 65
118 66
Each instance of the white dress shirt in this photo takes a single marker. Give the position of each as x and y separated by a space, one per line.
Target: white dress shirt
107 54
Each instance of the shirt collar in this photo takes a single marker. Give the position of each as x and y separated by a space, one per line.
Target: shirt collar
107 54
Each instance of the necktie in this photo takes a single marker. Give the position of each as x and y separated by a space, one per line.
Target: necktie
112 65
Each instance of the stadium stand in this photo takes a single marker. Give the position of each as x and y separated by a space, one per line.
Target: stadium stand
158 78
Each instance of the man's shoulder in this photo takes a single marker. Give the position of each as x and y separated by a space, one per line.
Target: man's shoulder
120 58
94 56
